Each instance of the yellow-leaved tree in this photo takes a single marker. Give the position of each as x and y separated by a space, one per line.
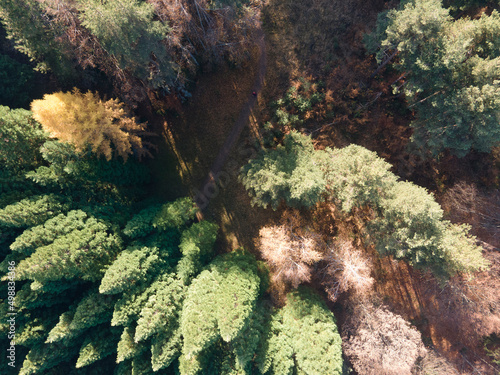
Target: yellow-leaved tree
85 120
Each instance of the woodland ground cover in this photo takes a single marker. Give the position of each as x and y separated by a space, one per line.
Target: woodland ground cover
153 265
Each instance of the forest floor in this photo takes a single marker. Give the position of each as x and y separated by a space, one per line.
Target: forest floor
303 41
207 137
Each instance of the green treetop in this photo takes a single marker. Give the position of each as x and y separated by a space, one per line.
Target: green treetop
302 338
290 173
451 74
127 31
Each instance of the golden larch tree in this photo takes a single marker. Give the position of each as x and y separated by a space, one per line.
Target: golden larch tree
85 120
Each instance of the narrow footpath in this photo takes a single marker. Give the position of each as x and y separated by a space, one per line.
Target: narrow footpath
240 123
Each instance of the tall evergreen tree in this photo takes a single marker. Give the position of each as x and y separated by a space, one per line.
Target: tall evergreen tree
357 177
35 35
302 338
452 72
290 173
127 31
219 305
20 139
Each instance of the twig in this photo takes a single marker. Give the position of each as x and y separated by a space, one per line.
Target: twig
424 99
384 64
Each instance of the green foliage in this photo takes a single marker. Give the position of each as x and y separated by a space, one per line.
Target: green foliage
357 176
132 266
66 243
408 221
219 305
161 311
29 212
127 347
129 306
98 344
460 5
461 253
82 254
42 357
92 310
175 214
412 227
452 78
165 348
196 245
291 110
20 139
302 338
127 31
35 35
492 347
291 172
15 77
46 233
142 223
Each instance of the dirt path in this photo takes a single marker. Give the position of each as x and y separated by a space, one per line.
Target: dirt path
203 197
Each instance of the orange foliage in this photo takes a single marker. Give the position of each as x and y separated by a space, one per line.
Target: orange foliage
84 120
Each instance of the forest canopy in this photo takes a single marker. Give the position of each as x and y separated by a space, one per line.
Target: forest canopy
240 187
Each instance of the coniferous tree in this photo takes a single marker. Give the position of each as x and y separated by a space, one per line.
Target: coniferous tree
290 173
20 139
35 35
357 177
408 221
411 227
85 121
219 305
127 31
302 338
451 72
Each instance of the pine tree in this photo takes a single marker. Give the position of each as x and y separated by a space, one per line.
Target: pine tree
46 233
291 173
357 177
219 305
127 31
133 265
412 227
161 311
35 35
141 224
452 68
98 344
80 254
302 338
175 214
29 212
86 121
196 245
20 139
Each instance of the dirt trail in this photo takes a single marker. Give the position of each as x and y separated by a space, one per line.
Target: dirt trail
243 118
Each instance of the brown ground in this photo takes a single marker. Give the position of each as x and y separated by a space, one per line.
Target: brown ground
303 40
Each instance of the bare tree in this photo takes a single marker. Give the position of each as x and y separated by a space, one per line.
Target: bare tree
291 252
434 364
465 203
380 342
346 269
